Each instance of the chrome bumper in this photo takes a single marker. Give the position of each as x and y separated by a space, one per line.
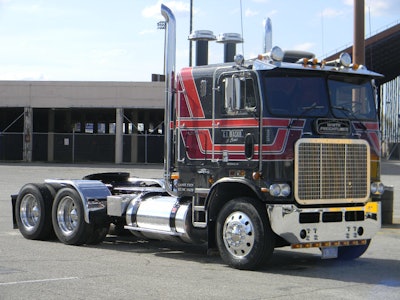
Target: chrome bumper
314 225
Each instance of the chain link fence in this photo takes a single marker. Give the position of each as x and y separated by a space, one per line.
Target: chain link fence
82 147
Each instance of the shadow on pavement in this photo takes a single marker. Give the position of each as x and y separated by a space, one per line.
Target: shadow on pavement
288 262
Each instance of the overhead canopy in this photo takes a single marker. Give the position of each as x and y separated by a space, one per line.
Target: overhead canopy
382 53
77 94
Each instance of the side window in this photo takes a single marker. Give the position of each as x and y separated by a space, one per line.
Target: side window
238 94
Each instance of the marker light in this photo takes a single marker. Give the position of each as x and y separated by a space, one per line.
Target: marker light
175 176
257 175
355 67
304 61
329 244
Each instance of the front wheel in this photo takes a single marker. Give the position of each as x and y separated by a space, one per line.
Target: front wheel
244 236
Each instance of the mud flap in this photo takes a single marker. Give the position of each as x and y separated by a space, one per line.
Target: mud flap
13 201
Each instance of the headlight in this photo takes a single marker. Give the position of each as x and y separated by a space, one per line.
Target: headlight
279 190
345 59
377 188
274 190
285 190
277 54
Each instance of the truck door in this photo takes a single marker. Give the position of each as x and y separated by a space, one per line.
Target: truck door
236 135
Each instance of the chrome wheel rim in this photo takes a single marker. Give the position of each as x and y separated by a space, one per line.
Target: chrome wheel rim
67 216
238 234
29 212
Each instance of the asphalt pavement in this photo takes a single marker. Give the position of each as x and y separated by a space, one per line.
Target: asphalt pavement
127 267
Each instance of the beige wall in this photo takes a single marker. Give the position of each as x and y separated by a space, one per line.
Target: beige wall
60 94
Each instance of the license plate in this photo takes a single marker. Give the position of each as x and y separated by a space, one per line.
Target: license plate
329 252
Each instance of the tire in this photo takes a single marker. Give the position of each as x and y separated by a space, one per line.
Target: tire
352 252
98 234
68 218
244 236
33 212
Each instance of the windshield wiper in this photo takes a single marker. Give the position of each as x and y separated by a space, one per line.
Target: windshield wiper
306 109
351 113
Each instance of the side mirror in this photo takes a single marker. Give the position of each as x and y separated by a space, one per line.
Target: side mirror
232 94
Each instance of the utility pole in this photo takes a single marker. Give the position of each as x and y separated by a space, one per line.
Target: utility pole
359 33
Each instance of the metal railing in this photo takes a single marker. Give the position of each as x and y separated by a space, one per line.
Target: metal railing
390 114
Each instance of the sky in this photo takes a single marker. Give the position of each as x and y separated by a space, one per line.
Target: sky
88 40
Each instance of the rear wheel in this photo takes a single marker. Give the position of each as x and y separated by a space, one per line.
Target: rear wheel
68 218
352 252
244 236
33 212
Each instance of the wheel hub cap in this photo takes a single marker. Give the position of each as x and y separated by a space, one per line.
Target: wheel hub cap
238 234
30 212
67 216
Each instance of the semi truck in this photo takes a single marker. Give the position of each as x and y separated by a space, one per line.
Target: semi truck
274 151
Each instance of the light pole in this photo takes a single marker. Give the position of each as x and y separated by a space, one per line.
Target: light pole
162 26
190 32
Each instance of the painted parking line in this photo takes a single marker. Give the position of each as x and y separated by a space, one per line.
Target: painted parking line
37 281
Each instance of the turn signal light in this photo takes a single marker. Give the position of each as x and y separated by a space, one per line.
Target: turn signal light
175 176
256 175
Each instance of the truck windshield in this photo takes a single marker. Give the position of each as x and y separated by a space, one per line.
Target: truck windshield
352 97
316 96
296 96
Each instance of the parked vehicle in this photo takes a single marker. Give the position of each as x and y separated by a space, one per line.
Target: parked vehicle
259 154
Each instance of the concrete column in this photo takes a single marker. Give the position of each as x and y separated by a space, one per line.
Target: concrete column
50 135
134 137
146 120
28 134
119 123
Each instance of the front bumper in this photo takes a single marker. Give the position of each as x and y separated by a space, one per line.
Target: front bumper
317 225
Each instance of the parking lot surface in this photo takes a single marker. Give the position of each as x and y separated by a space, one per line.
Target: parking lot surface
127 267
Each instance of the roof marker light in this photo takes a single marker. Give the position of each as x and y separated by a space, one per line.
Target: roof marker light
304 61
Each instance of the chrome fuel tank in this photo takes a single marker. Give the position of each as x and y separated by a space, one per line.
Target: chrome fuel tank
159 217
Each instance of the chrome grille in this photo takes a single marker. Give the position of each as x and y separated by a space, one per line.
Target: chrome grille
331 171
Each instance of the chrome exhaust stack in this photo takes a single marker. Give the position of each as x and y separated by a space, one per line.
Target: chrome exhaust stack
169 67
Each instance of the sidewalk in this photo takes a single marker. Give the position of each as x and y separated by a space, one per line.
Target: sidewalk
390 176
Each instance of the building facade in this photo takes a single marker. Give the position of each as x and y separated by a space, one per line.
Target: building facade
57 121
